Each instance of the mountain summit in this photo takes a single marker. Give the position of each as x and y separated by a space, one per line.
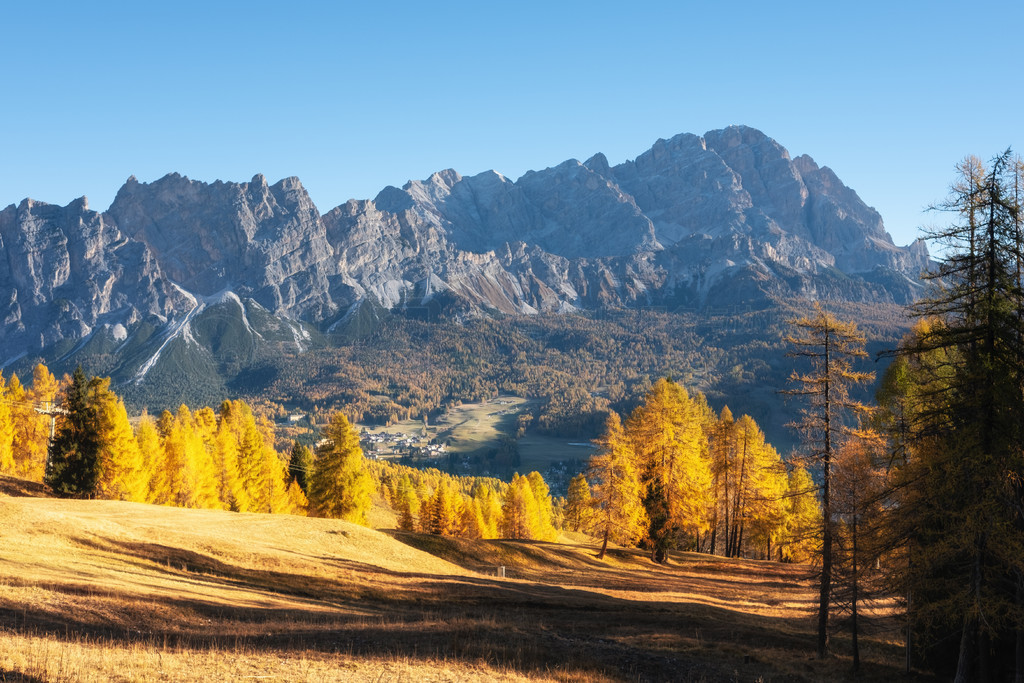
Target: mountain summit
718 220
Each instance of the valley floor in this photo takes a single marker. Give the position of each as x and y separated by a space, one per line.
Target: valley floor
100 590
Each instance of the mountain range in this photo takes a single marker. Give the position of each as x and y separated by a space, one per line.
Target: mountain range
221 273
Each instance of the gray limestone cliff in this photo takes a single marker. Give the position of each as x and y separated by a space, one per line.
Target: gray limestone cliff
262 241
67 272
727 218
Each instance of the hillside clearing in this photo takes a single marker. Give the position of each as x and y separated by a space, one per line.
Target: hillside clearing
100 590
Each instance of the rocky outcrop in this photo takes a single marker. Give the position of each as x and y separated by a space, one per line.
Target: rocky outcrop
263 241
68 272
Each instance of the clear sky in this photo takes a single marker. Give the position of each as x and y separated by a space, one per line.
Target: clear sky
351 96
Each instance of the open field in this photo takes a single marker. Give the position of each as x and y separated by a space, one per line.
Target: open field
538 452
98 590
465 428
476 427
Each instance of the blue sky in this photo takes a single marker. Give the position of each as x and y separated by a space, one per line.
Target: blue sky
351 98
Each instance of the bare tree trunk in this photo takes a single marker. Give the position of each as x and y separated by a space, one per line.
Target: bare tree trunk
963 664
826 511
910 605
1018 674
714 519
969 638
825 589
853 605
740 507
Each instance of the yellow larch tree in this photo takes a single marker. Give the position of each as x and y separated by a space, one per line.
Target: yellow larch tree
445 510
722 452
471 524
167 475
488 503
190 479
668 438
519 514
123 474
339 485
405 503
231 491
276 498
152 451
544 529
801 539
579 508
6 430
262 474
298 503
760 490
32 429
617 491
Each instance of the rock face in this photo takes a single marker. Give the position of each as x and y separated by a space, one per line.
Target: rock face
719 219
69 272
265 242
512 247
716 220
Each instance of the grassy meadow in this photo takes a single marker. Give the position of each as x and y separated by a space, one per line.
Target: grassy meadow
465 428
475 427
113 591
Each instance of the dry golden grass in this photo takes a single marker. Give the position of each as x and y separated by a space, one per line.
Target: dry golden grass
98 590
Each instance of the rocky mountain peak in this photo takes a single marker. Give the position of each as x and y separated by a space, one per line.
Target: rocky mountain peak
599 164
69 270
726 218
266 241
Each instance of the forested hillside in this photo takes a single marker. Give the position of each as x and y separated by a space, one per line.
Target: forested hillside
580 365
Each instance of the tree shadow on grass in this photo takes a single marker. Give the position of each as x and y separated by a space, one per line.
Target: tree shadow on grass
545 625
362 610
18 677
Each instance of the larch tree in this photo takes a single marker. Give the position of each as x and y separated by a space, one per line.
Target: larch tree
31 428
619 514
544 529
339 485
123 474
966 394
801 539
190 475
444 509
579 508
489 503
231 489
168 467
298 503
519 515
760 488
406 503
668 439
722 451
152 450
6 430
858 502
471 524
830 346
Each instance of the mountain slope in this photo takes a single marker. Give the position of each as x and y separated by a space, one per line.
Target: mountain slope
718 221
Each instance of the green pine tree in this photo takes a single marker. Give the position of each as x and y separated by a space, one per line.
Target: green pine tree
74 457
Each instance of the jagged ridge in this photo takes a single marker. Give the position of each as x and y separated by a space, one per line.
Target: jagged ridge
714 220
